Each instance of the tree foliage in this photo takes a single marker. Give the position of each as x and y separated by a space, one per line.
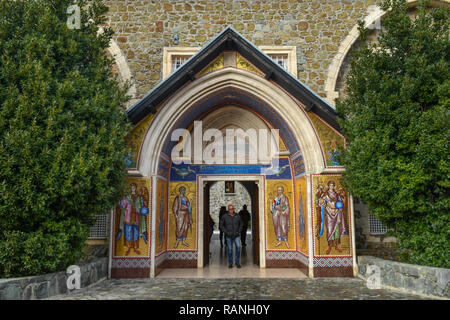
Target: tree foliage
62 130
396 122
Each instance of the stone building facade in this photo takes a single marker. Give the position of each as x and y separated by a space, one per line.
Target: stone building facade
319 33
316 27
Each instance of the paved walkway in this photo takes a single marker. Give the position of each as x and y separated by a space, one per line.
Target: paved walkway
217 282
218 266
234 289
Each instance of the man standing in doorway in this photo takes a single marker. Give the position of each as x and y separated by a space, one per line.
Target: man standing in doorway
245 217
231 224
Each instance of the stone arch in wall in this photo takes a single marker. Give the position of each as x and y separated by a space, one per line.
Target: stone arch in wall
366 241
337 62
123 68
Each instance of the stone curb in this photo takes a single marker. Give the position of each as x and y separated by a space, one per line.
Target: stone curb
426 281
52 284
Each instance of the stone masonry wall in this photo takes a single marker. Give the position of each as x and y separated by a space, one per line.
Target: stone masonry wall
52 284
316 27
345 67
407 277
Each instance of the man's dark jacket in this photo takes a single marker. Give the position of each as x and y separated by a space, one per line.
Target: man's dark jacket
231 225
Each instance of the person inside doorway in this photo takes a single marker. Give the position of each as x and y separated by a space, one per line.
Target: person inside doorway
245 217
223 210
231 224
211 227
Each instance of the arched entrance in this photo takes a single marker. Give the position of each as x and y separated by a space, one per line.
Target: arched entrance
233 97
247 91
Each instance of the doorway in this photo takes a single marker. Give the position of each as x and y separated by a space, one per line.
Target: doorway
211 254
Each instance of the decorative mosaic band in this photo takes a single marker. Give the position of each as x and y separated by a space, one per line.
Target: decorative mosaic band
130 263
281 255
333 262
182 255
286 255
299 165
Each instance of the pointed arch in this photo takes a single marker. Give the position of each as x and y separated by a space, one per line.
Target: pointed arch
174 108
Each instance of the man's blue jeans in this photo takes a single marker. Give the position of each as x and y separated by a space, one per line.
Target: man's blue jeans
237 243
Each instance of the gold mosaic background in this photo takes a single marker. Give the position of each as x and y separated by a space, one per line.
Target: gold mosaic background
192 234
136 137
217 64
320 247
144 248
300 189
329 139
271 192
242 63
161 215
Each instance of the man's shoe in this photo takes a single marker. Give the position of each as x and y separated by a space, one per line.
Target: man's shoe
238 265
230 266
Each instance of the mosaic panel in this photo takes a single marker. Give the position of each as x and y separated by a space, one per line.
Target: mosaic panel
132 220
280 223
130 263
217 64
182 255
134 140
163 167
331 214
329 139
182 234
242 63
301 215
298 165
281 255
186 172
287 255
332 262
161 216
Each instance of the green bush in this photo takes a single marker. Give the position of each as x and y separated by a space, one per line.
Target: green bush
62 133
396 121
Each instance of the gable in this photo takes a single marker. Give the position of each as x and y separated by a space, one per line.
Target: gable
209 59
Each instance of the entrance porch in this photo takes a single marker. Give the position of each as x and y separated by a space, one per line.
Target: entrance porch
218 266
